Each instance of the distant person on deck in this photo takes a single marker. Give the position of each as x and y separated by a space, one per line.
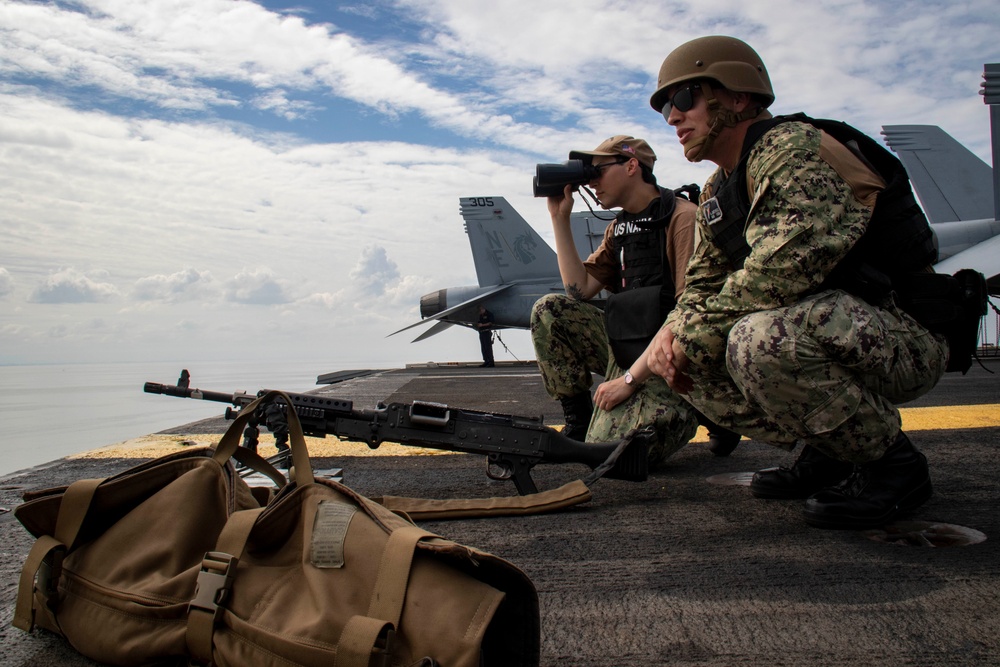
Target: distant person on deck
485 327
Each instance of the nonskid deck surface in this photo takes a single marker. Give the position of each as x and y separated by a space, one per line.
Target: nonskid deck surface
686 568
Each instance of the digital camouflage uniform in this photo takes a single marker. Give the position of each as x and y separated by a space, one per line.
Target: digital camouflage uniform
771 356
571 343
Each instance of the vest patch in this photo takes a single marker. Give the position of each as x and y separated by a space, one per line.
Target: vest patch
711 211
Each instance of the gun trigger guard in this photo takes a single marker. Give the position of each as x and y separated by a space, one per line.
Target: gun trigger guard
498 469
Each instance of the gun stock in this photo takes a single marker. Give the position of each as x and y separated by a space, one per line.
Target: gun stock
513 445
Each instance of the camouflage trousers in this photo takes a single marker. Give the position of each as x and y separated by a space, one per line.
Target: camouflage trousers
570 344
826 372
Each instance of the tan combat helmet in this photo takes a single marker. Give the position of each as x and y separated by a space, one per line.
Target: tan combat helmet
728 60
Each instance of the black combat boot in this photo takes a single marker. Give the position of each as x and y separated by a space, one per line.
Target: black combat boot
876 493
811 472
577 411
721 441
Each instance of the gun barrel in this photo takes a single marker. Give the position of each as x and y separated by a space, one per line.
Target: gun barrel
186 392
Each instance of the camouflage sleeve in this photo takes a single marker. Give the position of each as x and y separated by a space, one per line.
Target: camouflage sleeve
803 219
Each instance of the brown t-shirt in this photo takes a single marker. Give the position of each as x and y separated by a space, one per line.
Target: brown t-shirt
604 265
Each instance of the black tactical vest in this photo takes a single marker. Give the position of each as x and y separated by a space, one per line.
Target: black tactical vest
640 249
897 241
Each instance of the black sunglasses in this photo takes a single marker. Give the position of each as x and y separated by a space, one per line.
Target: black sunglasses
682 100
600 167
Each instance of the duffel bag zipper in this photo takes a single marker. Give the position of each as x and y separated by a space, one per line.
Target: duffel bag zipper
71 579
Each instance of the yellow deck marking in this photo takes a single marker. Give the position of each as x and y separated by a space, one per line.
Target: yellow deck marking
952 417
946 417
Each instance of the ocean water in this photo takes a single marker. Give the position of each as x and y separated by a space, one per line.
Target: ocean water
48 412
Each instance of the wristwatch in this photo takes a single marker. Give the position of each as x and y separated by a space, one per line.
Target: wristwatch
629 380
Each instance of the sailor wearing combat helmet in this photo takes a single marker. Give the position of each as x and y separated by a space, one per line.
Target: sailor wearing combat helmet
769 344
647 245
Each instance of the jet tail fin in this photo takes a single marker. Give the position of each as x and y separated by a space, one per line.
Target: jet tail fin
950 180
505 248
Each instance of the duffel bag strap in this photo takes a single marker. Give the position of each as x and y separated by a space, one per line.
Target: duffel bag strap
230 440
217 572
73 509
258 463
24 610
394 573
45 558
359 640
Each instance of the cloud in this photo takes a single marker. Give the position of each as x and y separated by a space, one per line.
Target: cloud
376 288
374 272
184 285
277 102
365 11
332 142
6 282
258 287
70 286
450 66
202 56
328 300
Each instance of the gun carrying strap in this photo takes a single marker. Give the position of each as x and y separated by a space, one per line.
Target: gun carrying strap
553 500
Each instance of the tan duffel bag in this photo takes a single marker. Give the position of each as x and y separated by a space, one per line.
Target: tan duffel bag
177 558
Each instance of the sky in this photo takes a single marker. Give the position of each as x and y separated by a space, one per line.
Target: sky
224 180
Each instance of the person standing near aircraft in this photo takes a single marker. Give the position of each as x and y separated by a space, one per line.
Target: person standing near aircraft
648 244
485 327
777 344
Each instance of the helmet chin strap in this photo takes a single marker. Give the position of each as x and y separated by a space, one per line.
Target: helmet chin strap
719 118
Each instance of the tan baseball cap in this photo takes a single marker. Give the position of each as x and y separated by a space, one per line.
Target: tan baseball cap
619 145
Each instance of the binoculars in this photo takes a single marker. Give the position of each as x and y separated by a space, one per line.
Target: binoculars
551 179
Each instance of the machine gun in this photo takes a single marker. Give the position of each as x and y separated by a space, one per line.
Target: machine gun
512 445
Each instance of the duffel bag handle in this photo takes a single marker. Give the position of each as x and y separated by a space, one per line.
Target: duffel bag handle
296 439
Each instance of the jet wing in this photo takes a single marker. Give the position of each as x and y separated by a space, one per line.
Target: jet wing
434 330
465 304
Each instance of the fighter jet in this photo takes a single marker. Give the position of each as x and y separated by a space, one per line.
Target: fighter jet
960 194
514 266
